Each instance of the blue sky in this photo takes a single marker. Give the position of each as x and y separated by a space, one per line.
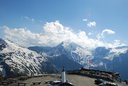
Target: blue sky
33 14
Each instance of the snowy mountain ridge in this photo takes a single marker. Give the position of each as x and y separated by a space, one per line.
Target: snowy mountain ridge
21 60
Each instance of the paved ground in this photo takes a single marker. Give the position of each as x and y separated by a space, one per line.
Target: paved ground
76 80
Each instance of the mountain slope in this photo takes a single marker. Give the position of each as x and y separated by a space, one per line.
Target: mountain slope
17 60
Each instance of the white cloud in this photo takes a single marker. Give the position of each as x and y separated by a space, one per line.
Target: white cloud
53 33
107 31
118 43
91 24
85 20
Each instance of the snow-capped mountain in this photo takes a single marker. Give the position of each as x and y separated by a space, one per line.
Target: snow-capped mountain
99 58
112 59
59 55
72 55
15 60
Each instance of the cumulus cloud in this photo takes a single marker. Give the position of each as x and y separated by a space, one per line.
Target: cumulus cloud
91 24
21 36
53 33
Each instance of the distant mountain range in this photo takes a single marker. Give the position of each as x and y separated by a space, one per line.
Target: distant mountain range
19 60
102 58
